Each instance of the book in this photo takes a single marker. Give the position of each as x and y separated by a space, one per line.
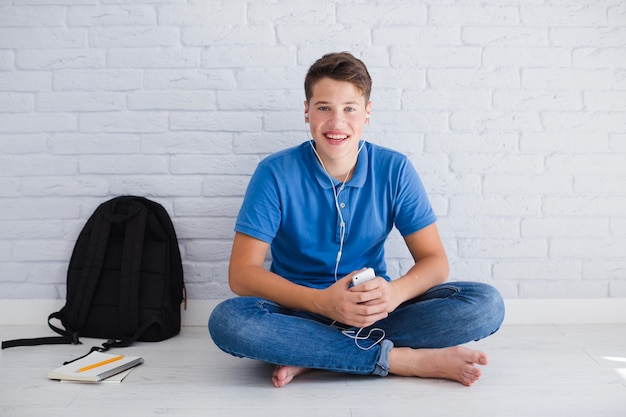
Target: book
95 367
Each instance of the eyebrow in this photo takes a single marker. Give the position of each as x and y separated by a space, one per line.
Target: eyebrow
328 102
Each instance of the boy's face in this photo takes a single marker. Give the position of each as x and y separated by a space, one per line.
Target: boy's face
337 113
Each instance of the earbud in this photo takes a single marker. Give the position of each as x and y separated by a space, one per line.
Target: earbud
306 115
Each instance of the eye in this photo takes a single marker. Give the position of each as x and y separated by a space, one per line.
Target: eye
323 108
350 109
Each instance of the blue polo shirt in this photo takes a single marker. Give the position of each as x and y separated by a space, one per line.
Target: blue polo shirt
289 204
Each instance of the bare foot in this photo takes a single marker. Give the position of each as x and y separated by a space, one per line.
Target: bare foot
284 374
455 363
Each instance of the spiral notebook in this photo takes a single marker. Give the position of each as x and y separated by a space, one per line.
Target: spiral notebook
95 367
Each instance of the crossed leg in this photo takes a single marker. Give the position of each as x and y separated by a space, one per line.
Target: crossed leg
455 363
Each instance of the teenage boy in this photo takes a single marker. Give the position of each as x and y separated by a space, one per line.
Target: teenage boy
324 209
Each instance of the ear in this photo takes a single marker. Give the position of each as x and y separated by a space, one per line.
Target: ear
368 111
306 111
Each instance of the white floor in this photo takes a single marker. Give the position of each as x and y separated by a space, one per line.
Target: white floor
535 370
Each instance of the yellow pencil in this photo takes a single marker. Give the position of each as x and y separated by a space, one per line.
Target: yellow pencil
95 365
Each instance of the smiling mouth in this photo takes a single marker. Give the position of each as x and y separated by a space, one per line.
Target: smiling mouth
336 137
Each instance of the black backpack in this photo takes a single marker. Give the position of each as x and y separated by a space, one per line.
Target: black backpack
124 280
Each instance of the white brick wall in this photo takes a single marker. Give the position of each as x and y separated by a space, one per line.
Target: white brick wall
513 111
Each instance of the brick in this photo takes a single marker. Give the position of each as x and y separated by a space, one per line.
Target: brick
23 143
617 142
156 185
599 57
599 184
31 229
53 59
286 13
564 227
588 248
495 205
127 164
537 100
264 143
447 184
9 187
563 289
98 80
54 2
605 100
262 99
125 15
584 122
98 143
133 36
599 36
201 13
506 36
617 15
185 79
407 121
124 122
387 14
22 209
80 101
503 248
482 121
42 38
258 34
524 184
565 15
497 163
214 204
564 143
510 56
219 164
488 15
205 227
567 78
31 16
216 121
36 122
208 251
30 81
462 226
538 269
445 99
485 142
475 79
584 206
16 102
246 56
331 34
64 186
416 35
605 269
6 60
172 100
169 57
435 57
187 143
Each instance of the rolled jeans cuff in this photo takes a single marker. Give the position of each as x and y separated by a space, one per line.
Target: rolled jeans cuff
382 366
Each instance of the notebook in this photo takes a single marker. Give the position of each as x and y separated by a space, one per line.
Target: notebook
95 367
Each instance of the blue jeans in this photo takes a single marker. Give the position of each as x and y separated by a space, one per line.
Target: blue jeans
449 314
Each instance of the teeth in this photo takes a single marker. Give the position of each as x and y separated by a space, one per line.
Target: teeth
336 137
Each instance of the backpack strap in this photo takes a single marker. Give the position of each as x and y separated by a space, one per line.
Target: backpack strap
130 273
90 273
66 337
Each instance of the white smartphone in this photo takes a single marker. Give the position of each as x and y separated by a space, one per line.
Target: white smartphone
363 276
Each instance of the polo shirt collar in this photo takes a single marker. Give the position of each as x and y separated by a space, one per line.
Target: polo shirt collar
358 176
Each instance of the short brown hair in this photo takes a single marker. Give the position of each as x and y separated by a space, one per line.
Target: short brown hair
339 66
